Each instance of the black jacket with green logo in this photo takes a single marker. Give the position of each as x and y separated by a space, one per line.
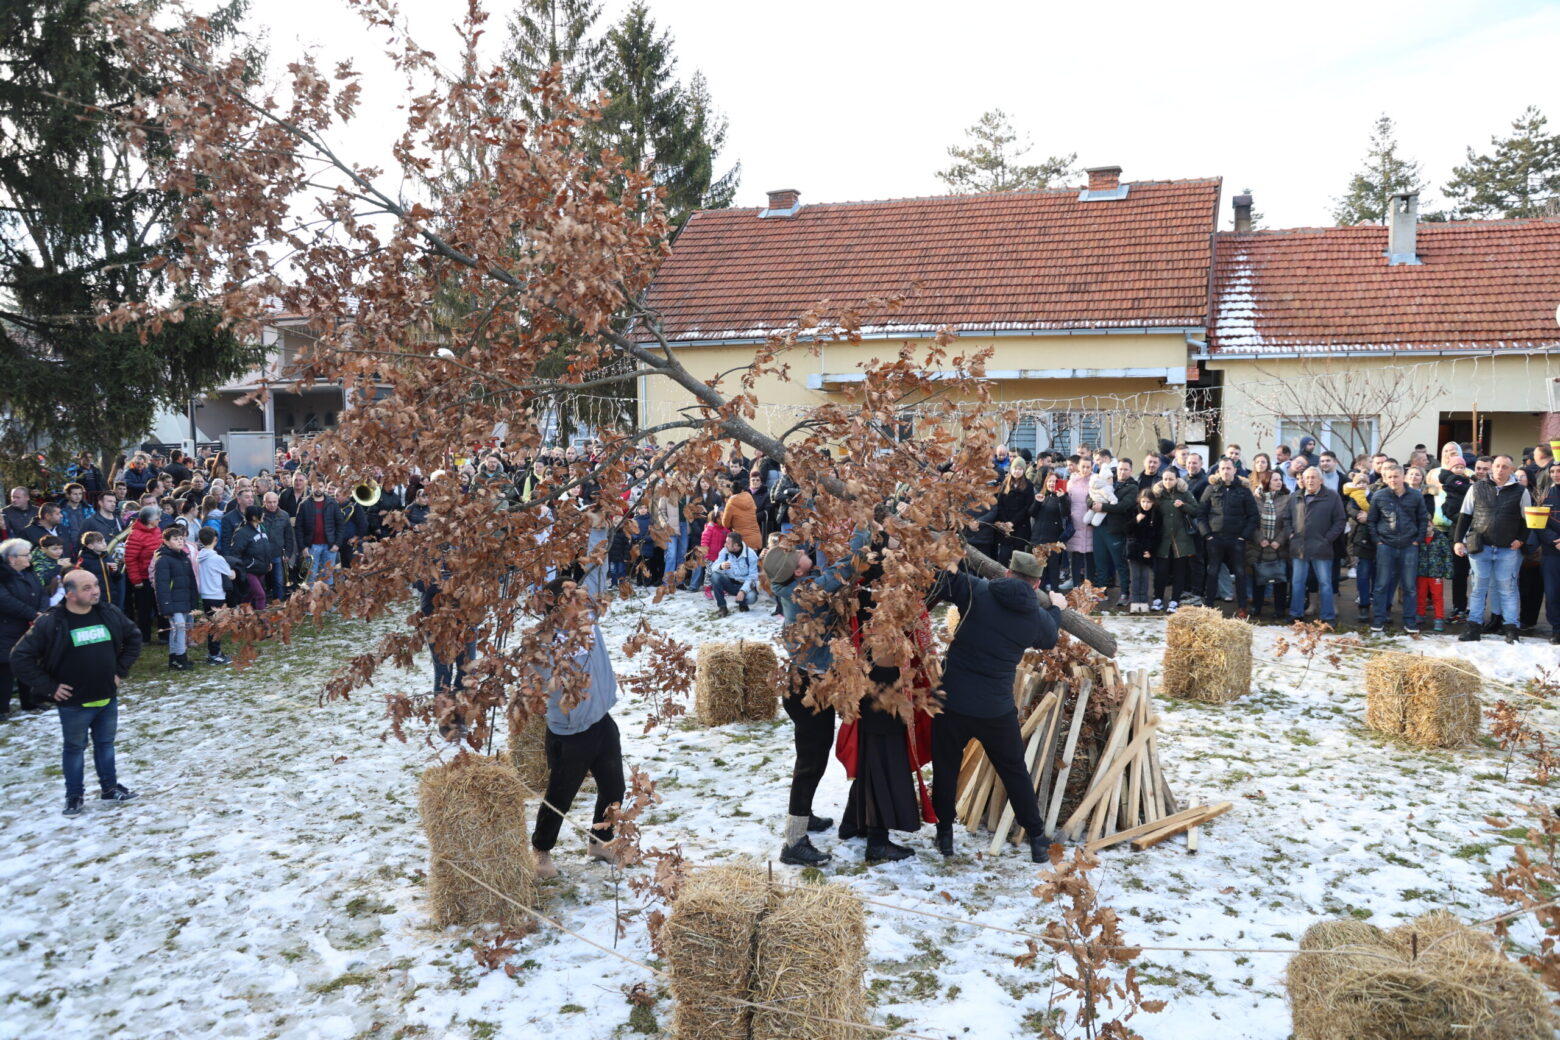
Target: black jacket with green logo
37 657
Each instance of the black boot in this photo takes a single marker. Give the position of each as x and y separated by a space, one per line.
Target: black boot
1511 633
881 850
818 824
1493 625
849 830
1039 849
803 854
1474 631
945 838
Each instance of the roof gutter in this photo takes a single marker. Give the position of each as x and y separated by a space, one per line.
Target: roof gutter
922 332
1490 352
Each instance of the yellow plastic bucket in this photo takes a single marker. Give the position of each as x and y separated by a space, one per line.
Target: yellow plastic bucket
1537 517
1554 446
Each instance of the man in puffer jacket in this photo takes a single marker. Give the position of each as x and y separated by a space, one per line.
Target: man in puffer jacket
1399 520
1229 521
178 594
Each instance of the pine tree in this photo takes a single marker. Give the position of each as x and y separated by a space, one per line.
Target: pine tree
654 122
78 222
990 162
1519 178
1386 173
544 33
1258 218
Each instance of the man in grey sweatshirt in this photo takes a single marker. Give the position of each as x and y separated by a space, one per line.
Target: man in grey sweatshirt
583 739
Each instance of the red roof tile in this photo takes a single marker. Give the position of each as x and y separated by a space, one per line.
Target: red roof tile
1481 285
1015 260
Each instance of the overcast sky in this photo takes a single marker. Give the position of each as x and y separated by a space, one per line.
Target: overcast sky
859 100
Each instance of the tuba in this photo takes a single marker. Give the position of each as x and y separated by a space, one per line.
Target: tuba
366 494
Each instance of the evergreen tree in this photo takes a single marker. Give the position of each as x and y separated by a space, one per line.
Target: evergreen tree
1519 178
656 123
78 221
544 33
990 162
1258 218
1386 173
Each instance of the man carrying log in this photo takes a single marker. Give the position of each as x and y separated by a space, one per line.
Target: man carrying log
999 620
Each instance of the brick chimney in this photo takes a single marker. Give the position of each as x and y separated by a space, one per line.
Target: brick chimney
1104 178
1403 228
1242 214
783 202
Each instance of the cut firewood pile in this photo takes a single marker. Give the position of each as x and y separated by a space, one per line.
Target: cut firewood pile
1091 746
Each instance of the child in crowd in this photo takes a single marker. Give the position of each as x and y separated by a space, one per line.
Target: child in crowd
213 574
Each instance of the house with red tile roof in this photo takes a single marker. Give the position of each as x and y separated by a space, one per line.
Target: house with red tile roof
1092 298
1383 337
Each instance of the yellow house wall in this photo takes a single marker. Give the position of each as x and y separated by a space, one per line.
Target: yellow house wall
1511 390
780 400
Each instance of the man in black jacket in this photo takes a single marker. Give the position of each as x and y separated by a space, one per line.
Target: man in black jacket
1399 520
998 621
1230 518
318 529
76 654
1491 533
1315 522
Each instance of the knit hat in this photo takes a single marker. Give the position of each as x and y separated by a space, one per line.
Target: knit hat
780 565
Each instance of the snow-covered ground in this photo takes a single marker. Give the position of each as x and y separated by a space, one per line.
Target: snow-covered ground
268 881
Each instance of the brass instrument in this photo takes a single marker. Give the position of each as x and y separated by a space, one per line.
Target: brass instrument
366 494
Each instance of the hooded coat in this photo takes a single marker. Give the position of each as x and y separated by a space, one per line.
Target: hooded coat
1175 533
999 620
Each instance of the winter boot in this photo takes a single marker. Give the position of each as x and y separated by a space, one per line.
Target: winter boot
945 838
803 854
1511 633
1474 632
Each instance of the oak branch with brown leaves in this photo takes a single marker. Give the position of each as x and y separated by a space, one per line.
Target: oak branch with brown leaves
436 306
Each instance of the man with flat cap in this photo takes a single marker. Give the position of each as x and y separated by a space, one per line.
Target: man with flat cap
999 620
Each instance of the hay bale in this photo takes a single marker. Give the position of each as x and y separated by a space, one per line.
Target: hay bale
762 681
1207 656
708 941
809 965
718 684
528 750
1428 701
473 810
1426 980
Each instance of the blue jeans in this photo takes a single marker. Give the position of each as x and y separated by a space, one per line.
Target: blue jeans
724 585
1364 580
77 724
1322 569
449 677
1397 569
696 579
320 556
1494 584
178 633
1110 560
676 549
278 579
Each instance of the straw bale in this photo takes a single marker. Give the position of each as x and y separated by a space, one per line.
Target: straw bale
708 940
762 681
718 684
528 750
810 964
1207 656
1428 701
1425 980
473 810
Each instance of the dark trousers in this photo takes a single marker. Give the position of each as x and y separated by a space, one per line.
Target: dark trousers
1280 597
814 741
1173 573
570 757
213 645
1460 568
8 682
724 585
1549 566
1053 570
1530 594
1005 749
145 609
1228 551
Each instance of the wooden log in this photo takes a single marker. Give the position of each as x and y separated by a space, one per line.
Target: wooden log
1045 765
1155 837
1120 730
1191 839
1142 829
1104 781
1068 751
1041 714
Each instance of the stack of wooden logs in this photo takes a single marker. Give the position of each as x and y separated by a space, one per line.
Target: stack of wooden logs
1098 782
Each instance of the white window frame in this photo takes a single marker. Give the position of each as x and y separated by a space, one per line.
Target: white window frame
1290 428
